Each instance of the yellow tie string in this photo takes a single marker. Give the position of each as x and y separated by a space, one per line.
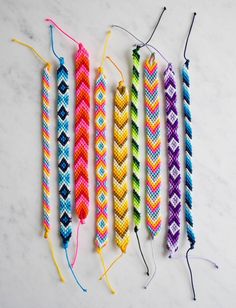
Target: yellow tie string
105 47
105 272
32 48
117 67
53 257
112 264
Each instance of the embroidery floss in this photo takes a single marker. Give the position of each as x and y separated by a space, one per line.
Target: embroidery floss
173 161
46 153
82 109
101 165
64 175
120 167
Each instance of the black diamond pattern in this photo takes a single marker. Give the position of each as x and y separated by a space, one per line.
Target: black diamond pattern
63 139
63 165
63 87
63 113
64 192
65 219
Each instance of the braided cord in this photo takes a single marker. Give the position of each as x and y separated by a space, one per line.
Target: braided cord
188 154
173 160
46 149
135 138
120 167
153 142
64 155
81 133
101 166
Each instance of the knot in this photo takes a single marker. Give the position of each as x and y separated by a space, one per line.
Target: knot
100 70
187 63
121 84
170 66
46 233
152 58
65 244
61 60
82 221
49 66
135 229
123 247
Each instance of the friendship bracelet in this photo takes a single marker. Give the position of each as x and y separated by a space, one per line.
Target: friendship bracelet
45 152
101 164
173 161
153 143
120 168
135 147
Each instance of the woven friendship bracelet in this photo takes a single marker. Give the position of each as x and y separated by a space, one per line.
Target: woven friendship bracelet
173 160
82 108
63 149
153 143
135 148
101 166
64 177
46 155
81 146
120 167
135 139
188 154
188 157
46 149
101 239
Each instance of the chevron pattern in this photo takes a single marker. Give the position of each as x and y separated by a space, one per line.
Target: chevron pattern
188 154
81 133
173 160
135 138
120 167
46 149
64 154
101 165
153 142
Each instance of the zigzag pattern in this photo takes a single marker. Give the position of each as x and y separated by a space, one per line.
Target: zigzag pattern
153 142
173 160
101 166
64 154
81 133
188 154
135 138
46 149
120 167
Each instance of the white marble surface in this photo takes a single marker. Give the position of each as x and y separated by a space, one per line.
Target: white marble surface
27 275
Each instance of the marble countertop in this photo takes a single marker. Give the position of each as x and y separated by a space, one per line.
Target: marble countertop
27 275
